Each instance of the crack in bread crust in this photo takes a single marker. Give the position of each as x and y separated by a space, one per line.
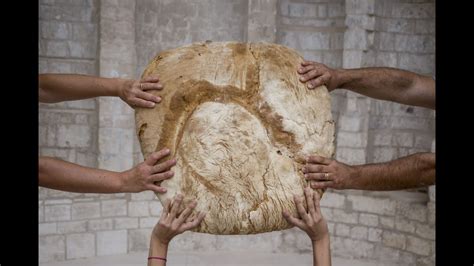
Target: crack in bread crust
257 195
193 93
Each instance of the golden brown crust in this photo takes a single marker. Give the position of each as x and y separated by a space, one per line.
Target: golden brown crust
240 123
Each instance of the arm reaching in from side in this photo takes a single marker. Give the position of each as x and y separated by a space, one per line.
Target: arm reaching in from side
416 170
65 176
55 88
382 83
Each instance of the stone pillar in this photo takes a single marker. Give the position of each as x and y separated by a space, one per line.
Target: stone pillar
117 59
353 122
262 20
359 36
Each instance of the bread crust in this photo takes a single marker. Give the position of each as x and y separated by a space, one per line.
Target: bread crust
240 124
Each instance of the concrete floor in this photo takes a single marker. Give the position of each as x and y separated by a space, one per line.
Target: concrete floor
214 259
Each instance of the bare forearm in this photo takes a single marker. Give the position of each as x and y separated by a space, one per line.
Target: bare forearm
157 249
61 175
322 252
412 171
66 87
389 84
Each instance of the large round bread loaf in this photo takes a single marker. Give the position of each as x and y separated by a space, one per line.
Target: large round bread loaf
240 124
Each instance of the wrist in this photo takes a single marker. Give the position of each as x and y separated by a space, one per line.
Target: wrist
340 75
353 177
110 86
121 86
122 178
322 239
159 242
157 247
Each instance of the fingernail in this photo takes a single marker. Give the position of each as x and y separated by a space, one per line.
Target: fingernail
152 104
310 85
164 190
158 99
167 150
301 79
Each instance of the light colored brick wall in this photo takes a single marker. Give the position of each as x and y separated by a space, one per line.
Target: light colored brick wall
405 39
162 25
395 226
396 229
315 28
68 43
118 38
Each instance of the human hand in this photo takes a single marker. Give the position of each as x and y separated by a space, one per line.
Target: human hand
316 74
145 175
327 173
311 221
134 92
170 224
